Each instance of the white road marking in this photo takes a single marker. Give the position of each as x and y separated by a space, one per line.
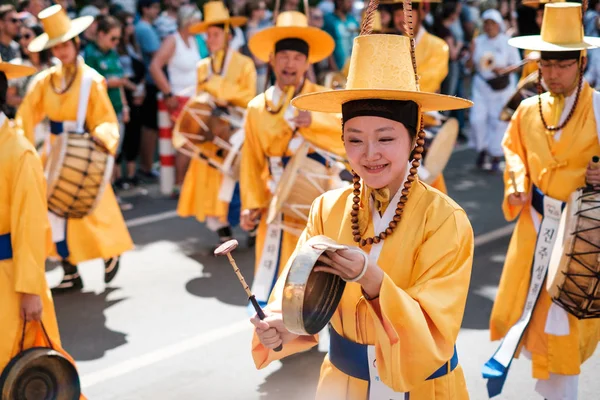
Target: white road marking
164 353
150 219
496 234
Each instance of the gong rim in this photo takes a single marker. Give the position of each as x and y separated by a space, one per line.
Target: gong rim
310 298
40 373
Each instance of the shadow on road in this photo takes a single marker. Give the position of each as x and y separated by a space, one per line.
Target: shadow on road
218 280
82 324
297 378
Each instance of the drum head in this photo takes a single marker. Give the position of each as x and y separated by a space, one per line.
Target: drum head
286 182
310 298
40 374
193 121
441 149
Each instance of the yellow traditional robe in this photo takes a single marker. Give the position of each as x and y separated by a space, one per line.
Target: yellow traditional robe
103 233
199 195
427 264
528 68
23 215
557 169
268 135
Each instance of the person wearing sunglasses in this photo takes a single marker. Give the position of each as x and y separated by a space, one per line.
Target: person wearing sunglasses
101 55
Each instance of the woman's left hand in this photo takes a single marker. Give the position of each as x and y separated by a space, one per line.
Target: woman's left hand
344 263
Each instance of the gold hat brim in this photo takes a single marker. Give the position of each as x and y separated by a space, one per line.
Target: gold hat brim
44 42
202 26
331 101
535 42
320 43
14 71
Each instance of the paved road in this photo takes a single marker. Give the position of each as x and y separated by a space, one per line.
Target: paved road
173 324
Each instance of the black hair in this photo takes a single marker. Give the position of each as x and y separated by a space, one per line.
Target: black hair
3 88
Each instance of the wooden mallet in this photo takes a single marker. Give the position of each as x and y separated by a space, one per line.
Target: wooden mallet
225 249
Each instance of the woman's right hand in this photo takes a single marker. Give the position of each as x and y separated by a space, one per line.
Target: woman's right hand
270 331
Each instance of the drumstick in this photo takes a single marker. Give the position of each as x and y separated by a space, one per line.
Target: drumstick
225 249
513 181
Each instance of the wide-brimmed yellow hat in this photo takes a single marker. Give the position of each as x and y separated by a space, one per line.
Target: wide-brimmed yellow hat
58 28
537 3
14 71
292 24
562 30
380 68
215 13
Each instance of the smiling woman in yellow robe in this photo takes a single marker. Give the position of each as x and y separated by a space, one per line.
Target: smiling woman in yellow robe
54 93
405 301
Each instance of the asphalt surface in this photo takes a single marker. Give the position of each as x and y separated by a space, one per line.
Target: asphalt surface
173 324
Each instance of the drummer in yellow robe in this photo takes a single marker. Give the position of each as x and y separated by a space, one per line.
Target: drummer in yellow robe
548 165
274 131
230 78
405 302
24 291
55 93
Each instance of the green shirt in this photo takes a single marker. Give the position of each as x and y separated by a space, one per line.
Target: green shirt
109 66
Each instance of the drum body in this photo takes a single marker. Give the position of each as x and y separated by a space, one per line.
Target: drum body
302 181
574 271
77 172
210 133
526 89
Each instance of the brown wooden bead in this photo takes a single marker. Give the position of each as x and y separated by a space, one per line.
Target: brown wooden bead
356 200
422 134
404 192
363 242
354 220
397 218
354 213
369 241
356 185
355 232
383 235
357 238
415 164
413 171
355 207
411 178
399 210
403 199
418 157
356 192
419 149
420 142
407 185
393 224
389 231
376 239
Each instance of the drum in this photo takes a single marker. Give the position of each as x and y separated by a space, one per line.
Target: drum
438 149
334 80
526 89
310 298
302 181
574 272
201 122
77 171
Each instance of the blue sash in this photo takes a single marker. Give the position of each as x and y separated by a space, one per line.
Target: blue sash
5 247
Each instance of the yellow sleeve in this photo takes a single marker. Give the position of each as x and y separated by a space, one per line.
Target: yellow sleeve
31 111
325 131
435 70
101 119
253 163
424 320
237 93
261 355
28 224
515 157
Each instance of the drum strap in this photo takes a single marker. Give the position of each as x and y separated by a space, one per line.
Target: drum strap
596 106
496 369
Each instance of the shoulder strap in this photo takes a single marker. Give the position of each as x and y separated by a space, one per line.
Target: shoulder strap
596 106
84 96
